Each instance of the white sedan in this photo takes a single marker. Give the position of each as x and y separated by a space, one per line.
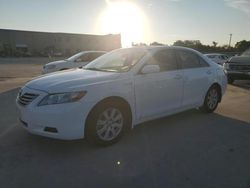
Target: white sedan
218 58
118 91
76 61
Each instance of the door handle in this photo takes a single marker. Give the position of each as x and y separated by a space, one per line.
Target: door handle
177 76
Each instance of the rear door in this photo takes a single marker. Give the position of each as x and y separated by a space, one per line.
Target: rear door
196 75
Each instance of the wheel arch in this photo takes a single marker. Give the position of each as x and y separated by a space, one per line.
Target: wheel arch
110 100
218 86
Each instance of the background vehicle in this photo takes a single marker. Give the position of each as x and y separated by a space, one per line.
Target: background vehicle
78 60
119 90
238 68
217 58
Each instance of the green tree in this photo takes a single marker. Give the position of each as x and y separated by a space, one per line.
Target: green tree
156 44
243 45
215 44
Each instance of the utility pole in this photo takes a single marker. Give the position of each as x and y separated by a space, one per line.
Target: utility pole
230 39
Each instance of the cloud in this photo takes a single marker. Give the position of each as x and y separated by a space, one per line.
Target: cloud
242 5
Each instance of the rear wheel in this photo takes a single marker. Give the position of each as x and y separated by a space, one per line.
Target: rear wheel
211 100
107 123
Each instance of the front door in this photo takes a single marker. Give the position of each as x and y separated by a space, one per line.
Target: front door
161 92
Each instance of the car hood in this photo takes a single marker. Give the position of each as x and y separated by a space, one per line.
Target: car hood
240 59
70 80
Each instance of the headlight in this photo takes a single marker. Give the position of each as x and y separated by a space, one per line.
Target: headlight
59 98
50 66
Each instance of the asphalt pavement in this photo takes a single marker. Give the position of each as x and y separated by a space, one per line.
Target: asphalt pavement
189 149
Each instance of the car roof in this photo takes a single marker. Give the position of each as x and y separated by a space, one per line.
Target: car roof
93 51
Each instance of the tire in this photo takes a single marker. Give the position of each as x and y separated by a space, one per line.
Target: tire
230 80
211 100
107 123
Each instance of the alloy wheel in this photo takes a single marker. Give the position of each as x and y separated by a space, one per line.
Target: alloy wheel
109 124
212 98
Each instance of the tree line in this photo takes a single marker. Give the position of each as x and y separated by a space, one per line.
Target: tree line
239 47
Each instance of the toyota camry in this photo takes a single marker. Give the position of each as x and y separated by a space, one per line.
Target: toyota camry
119 90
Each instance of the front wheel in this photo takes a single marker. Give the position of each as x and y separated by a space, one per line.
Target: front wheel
211 100
106 123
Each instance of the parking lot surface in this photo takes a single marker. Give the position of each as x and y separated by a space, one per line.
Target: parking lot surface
189 149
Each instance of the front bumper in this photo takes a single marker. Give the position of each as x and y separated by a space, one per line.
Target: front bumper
62 121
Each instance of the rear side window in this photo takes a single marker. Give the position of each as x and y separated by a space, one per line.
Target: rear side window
188 59
165 59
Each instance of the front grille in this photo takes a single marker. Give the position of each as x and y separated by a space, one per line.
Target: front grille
26 98
239 67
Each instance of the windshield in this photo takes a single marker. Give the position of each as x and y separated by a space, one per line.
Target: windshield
117 61
74 57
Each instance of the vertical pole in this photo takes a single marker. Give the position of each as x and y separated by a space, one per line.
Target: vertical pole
230 39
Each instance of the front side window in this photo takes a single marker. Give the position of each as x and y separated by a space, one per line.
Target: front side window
76 56
121 60
94 55
188 59
84 58
165 59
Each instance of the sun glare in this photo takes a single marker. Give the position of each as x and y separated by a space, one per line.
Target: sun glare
125 18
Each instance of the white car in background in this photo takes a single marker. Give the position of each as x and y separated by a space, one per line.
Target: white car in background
76 61
119 90
218 58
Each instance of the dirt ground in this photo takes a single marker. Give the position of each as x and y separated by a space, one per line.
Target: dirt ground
15 72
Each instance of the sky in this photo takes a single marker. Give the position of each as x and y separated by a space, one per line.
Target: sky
146 21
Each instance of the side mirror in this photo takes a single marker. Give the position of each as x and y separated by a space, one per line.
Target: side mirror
147 69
